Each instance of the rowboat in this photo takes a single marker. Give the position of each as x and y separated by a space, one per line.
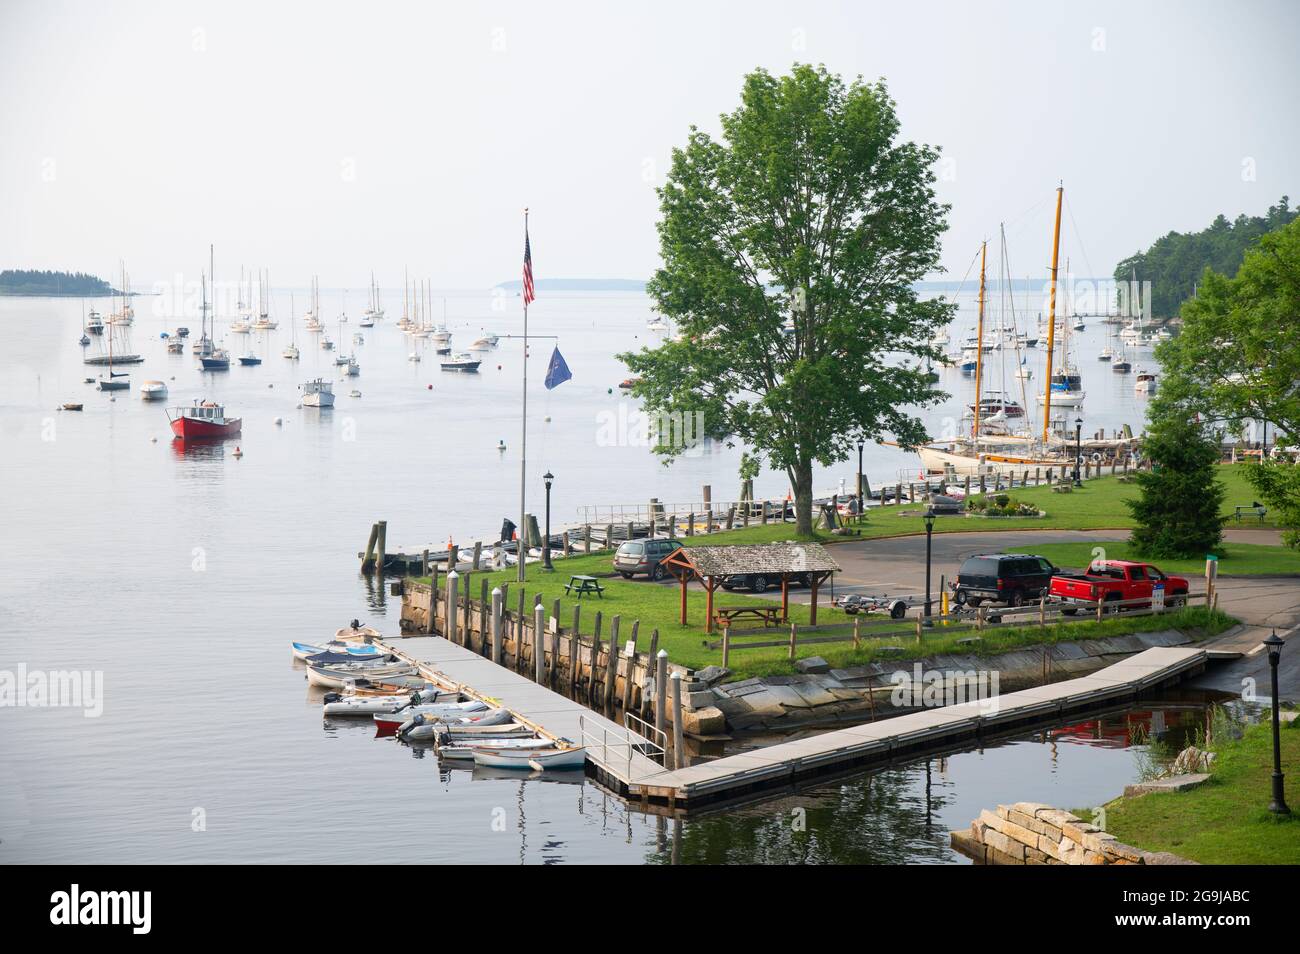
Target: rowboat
303 650
357 631
530 760
465 751
338 677
447 733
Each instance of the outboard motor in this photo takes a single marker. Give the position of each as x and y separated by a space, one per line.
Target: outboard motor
507 530
333 697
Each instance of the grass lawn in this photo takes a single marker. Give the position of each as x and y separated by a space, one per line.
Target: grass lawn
1226 820
1098 505
1235 559
657 606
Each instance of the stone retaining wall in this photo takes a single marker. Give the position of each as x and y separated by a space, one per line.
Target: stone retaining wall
1028 833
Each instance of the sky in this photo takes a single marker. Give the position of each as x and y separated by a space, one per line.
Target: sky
333 139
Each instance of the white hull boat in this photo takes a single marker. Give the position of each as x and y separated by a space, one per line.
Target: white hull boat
530 760
460 751
153 391
339 677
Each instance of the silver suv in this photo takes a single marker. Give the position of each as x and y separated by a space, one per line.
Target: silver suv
643 556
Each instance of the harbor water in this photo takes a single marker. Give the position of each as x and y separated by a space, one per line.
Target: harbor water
181 573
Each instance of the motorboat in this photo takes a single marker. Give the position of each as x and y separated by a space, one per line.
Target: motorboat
464 362
217 360
202 419
175 346
1145 382
153 391
249 360
353 367
318 393
94 323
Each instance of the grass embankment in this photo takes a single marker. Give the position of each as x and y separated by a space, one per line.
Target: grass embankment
1226 820
1098 505
658 606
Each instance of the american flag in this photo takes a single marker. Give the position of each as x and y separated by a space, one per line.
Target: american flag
528 269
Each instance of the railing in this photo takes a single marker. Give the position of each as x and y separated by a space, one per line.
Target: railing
1043 614
603 743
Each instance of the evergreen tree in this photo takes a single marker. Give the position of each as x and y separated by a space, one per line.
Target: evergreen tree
1179 502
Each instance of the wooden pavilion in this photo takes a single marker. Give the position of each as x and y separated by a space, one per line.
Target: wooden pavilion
712 564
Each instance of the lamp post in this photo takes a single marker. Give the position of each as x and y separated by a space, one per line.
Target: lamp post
546 540
1278 805
1078 450
928 516
861 512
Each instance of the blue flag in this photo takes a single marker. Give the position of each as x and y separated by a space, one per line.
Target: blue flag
557 372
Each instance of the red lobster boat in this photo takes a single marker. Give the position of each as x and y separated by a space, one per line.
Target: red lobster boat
205 419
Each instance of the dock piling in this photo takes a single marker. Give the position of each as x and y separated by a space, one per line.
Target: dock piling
453 590
661 687
539 654
381 545
679 757
498 605
611 662
368 561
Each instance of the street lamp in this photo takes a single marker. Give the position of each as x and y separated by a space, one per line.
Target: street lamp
928 516
861 512
1278 805
546 540
1078 450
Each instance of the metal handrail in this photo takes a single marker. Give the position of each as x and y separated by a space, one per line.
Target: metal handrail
647 731
606 739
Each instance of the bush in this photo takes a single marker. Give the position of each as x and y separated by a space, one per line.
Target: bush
1000 505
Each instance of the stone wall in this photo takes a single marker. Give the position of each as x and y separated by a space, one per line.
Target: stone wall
1028 833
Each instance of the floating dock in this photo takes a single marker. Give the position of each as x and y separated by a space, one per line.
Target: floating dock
620 757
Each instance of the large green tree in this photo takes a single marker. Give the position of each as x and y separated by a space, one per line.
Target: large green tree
790 247
1237 361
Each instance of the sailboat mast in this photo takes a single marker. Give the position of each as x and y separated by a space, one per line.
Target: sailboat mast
979 349
1051 316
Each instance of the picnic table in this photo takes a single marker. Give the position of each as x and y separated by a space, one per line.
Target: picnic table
581 584
767 615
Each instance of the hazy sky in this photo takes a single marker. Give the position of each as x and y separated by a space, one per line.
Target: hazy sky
334 138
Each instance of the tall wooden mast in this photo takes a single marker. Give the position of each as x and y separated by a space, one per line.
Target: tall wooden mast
1051 317
979 351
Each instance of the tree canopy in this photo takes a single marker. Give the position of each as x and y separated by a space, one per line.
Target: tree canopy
789 249
23 281
1174 263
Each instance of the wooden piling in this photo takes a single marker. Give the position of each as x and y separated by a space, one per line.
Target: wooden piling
679 757
661 688
368 561
611 662
539 654
453 591
574 640
498 607
381 545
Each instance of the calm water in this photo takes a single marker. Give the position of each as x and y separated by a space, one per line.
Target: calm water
182 575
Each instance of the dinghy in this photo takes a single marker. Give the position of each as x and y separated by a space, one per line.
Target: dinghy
361 705
393 719
457 751
339 677
425 726
448 734
357 631
303 650
530 760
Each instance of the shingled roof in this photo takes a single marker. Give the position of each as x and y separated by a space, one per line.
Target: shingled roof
773 558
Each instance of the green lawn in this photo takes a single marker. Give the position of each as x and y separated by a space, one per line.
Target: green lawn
1236 559
1097 505
1226 820
657 606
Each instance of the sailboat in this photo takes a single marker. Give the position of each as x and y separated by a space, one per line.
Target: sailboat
291 352
264 322
126 315
1065 384
85 338
116 380
374 310
312 318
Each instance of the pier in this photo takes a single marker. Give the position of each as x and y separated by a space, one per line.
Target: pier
625 761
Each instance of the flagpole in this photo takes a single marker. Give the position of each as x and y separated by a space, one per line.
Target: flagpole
522 549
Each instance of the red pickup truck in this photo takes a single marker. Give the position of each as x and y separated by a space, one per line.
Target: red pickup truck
1114 580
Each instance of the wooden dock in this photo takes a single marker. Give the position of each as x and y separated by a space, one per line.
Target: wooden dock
620 761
